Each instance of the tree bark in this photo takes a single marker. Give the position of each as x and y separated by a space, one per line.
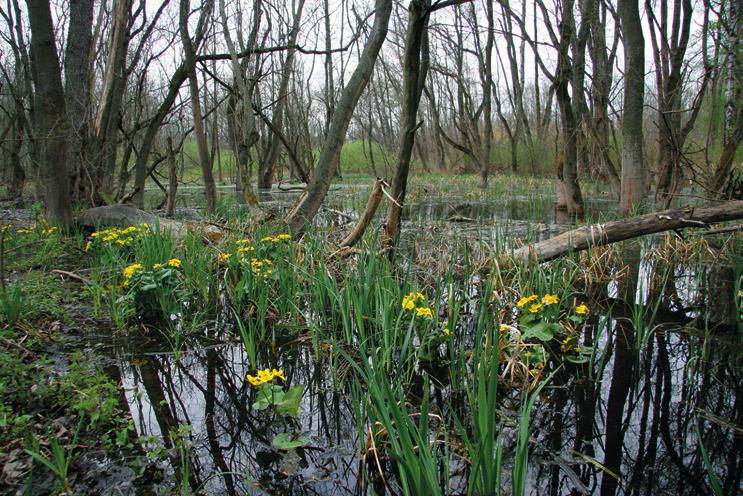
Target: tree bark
733 130
587 237
189 51
366 217
77 93
415 68
308 206
50 115
568 177
172 180
267 167
103 150
633 189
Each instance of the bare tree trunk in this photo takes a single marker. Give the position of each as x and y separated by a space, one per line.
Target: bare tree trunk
569 177
669 53
140 165
18 175
602 78
733 130
327 164
329 83
267 167
50 115
172 180
210 189
415 68
241 128
77 94
633 189
102 150
487 97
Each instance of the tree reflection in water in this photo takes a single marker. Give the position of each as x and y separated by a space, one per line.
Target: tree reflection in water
624 424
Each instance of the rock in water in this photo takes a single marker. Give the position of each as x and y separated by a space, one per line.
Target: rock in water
122 215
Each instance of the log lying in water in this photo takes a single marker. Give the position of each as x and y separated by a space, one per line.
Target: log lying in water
586 237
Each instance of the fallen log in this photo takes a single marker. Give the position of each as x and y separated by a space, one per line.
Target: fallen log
586 237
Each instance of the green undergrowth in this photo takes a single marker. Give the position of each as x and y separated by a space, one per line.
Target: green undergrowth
51 395
443 356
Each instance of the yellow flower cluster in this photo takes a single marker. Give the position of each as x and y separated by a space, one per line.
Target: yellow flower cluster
132 269
278 238
44 231
261 268
581 309
548 299
129 272
265 375
424 312
408 303
535 305
526 300
118 237
570 344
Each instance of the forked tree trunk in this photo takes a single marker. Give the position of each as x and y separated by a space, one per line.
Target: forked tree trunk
308 206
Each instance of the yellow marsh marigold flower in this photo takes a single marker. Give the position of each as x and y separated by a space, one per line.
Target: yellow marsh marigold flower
408 302
424 312
581 309
157 266
526 300
282 237
174 262
223 257
504 328
550 299
535 307
130 270
265 375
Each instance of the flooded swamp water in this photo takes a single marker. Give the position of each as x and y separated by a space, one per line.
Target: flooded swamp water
658 409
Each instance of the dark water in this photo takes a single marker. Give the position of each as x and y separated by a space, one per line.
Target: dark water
658 382
666 380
